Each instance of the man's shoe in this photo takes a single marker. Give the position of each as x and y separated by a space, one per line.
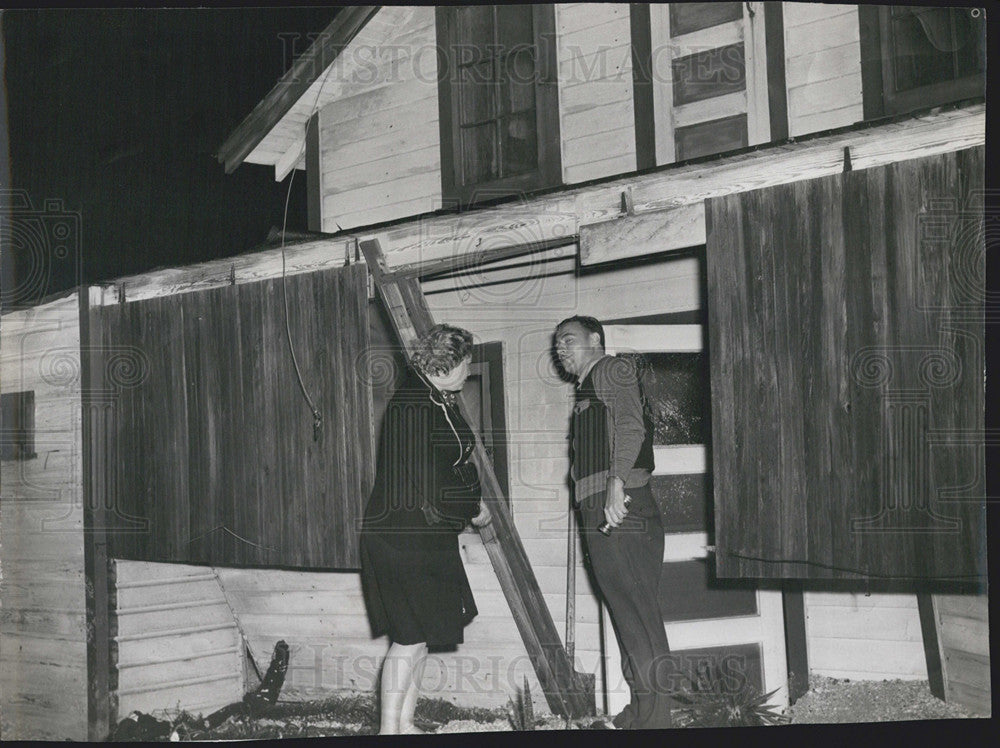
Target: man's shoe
603 724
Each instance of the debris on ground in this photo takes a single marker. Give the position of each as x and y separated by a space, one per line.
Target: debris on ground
832 700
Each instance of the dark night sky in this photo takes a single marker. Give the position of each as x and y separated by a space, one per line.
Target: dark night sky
118 114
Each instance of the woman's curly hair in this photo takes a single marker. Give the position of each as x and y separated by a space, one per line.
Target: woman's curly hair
441 349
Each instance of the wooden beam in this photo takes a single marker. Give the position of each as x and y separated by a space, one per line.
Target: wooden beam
777 91
294 83
413 243
645 234
96 410
642 86
932 646
796 651
566 691
300 257
294 157
419 242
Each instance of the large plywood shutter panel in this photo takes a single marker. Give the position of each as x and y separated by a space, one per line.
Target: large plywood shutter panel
847 370
208 441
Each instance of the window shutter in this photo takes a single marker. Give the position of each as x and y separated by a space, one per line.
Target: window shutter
207 442
846 354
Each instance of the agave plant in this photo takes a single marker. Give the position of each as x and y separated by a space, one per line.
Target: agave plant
707 703
520 711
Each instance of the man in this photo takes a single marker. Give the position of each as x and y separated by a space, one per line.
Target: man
611 464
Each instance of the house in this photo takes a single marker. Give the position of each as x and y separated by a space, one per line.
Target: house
793 189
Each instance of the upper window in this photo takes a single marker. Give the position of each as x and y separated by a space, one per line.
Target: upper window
924 57
498 101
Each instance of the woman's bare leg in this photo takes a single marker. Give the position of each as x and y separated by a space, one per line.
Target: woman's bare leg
397 678
410 698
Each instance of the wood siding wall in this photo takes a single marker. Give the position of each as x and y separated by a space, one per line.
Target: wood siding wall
177 645
43 641
822 66
864 636
963 629
214 443
845 322
322 615
596 120
380 152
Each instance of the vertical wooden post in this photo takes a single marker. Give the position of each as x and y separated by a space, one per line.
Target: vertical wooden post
97 576
796 653
932 650
566 691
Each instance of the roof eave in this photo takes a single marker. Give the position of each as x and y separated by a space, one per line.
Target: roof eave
293 84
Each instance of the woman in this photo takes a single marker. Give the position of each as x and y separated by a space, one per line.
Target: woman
425 491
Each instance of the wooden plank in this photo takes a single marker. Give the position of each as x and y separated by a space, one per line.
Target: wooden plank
932 647
870 622
565 690
796 644
642 86
99 596
864 659
663 87
800 14
643 234
977 699
821 33
588 132
824 64
717 107
826 95
964 635
758 73
595 119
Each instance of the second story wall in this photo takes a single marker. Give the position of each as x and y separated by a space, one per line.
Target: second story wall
379 146
596 122
721 77
822 66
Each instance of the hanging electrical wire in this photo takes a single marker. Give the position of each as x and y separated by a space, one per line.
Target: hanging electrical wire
316 414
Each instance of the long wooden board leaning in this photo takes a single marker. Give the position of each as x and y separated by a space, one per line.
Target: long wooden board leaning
567 692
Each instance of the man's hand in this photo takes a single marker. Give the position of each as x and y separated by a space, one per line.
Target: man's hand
484 517
614 502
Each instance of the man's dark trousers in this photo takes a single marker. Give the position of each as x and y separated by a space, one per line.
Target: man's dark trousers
627 565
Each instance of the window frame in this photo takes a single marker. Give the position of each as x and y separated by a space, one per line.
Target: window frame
878 73
549 170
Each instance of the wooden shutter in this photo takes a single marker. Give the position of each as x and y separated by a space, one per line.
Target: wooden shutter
208 441
846 354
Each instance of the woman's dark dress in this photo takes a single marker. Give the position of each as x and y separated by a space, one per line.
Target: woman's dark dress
414 583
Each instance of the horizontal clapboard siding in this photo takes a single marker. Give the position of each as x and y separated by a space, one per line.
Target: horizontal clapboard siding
963 629
596 123
864 637
177 642
43 650
380 157
822 66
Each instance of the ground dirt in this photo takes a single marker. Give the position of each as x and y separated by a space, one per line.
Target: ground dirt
828 700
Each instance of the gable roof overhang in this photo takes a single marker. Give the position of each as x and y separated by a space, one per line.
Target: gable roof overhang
288 106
